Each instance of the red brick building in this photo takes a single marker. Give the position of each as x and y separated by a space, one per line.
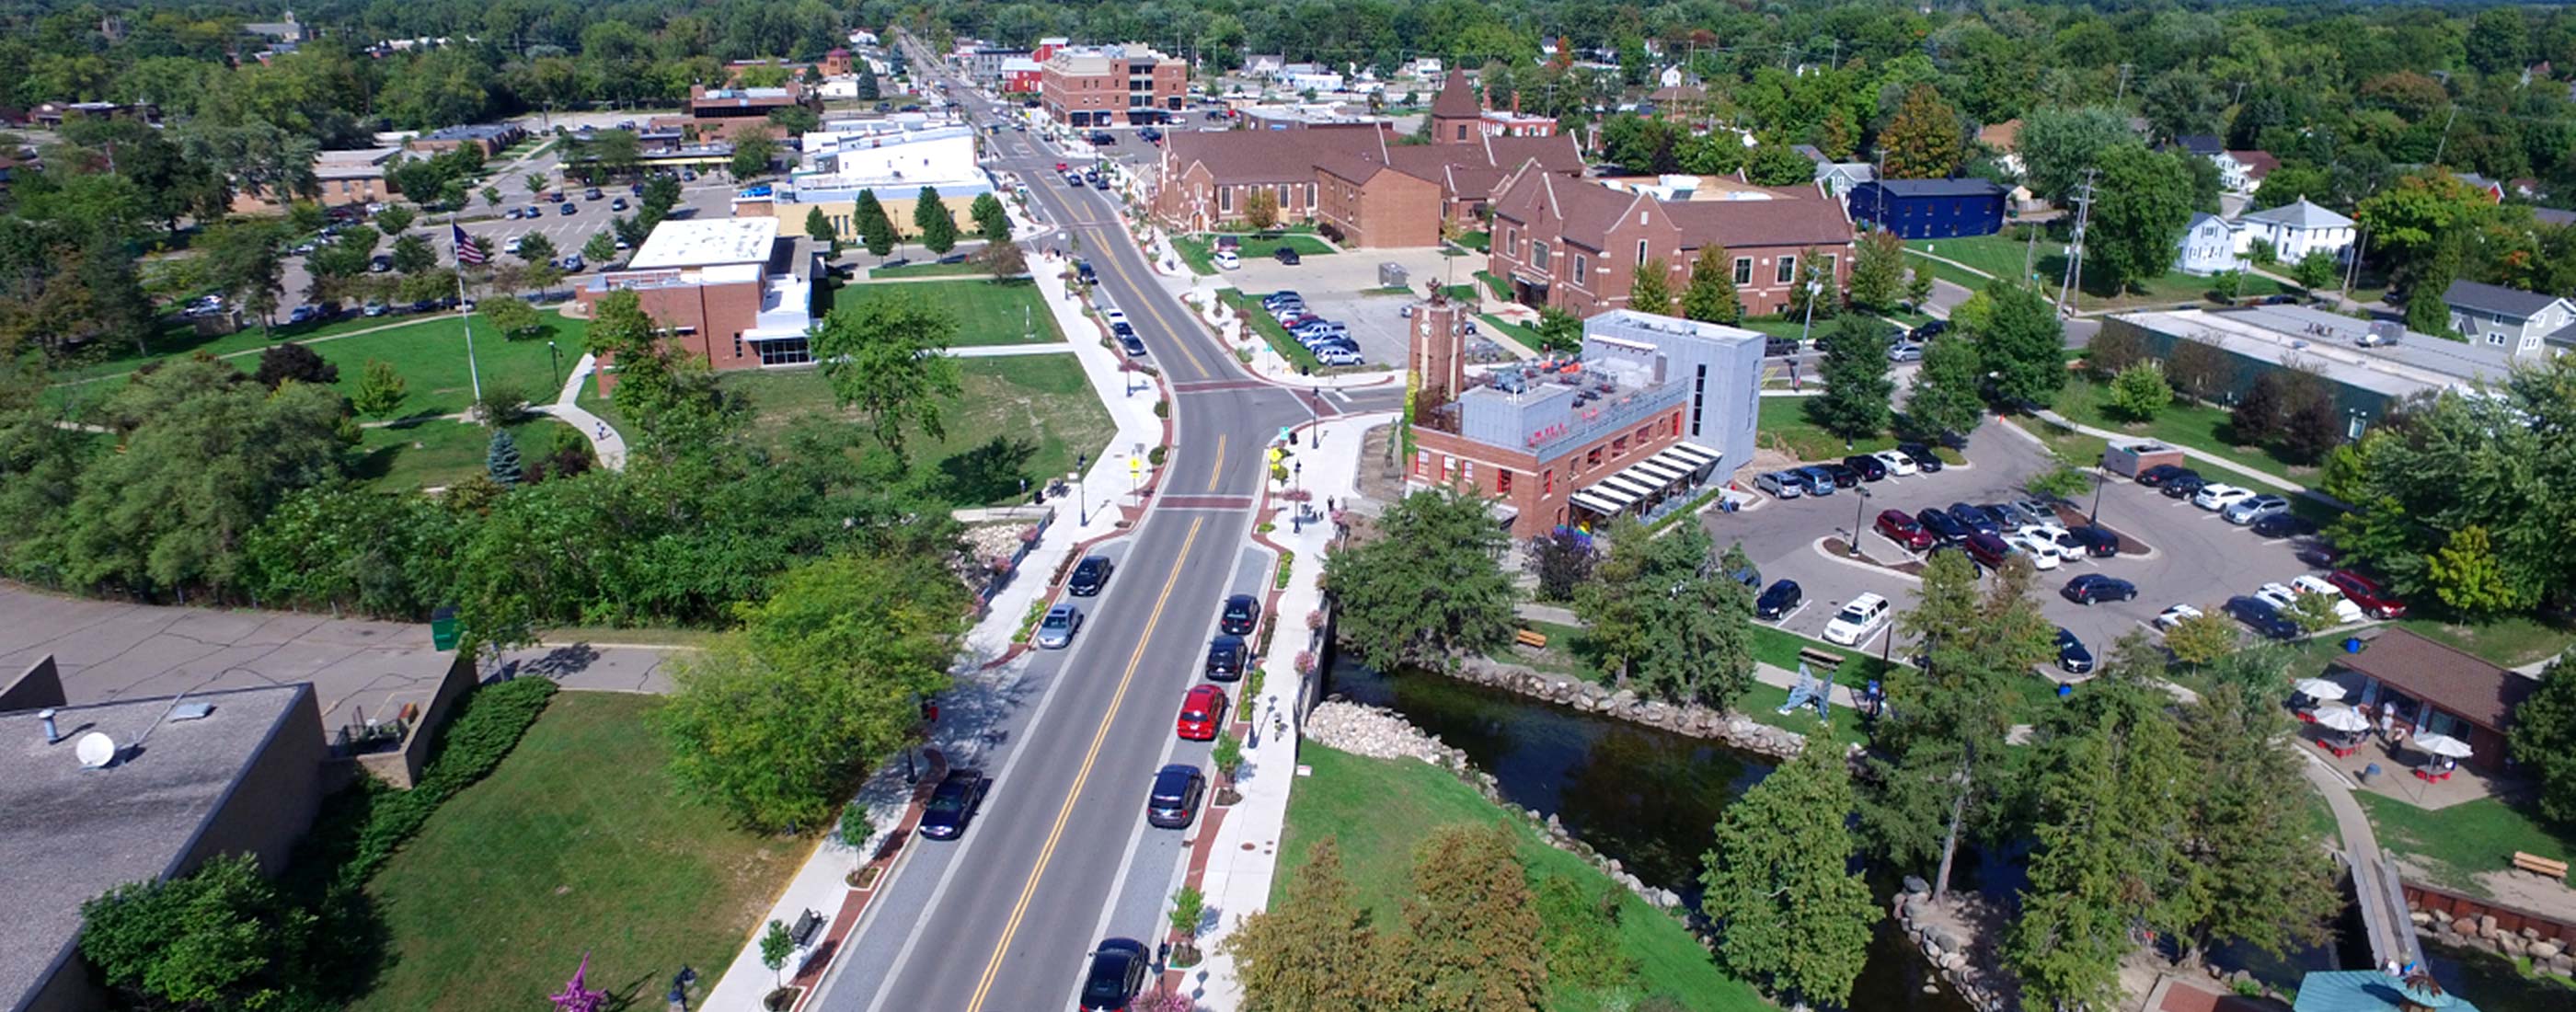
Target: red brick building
724 288
1354 180
1096 86
1577 244
1655 412
1459 117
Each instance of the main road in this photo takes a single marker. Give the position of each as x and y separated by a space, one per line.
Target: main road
1002 919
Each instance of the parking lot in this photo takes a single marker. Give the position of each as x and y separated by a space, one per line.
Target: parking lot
1338 287
2195 556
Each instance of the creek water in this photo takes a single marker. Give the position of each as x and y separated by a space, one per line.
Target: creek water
1651 799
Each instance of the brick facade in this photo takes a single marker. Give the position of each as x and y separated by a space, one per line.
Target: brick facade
1577 245
1109 85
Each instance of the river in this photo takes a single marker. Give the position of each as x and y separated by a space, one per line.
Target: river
1652 799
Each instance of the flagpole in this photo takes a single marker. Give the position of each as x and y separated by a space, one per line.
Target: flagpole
464 316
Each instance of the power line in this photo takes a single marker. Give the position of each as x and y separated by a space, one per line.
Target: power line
2075 244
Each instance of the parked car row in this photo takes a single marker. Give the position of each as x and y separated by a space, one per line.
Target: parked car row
1330 340
1122 331
1822 479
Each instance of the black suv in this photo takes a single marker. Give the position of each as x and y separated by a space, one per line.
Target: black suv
2097 543
1845 476
2160 474
1779 599
1921 454
1870 468
1285 256
2263 618
1174 800
1225 658
1242 612
1089 575
1944 527
2183 486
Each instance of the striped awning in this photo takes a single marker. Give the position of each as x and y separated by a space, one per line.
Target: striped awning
1599 505
1661 472
1695 456
1637 488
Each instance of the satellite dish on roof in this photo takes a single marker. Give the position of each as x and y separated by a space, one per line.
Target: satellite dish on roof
95 750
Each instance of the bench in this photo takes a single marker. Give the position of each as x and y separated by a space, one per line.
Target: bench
1530 638
1825 660
2539 865
807 926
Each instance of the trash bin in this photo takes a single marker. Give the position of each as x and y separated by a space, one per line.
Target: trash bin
2352 644
442 628
2370 773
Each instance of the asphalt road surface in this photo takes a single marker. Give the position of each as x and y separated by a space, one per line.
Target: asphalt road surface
1004 917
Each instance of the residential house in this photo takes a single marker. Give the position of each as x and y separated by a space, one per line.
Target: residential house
1930 208
50 115
2295 229
2209 246
1263 65
2204 145
1656 412
2243 171
1839 178
1576 244
2523 323
2494 190
2004 139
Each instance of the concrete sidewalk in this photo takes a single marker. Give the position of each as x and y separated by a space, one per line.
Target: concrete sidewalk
605 442
820 885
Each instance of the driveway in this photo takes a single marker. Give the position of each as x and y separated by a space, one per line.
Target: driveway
2197 558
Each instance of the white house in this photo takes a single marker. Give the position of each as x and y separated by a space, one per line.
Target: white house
2295 230
1838 178
2209 246
2243 171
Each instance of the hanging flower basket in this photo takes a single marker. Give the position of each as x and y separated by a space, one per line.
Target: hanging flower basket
1305 662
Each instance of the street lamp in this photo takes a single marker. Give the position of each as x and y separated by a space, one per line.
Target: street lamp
1081 501
556 356
1297 510
1315 438
2096 516
1858 504
1814 289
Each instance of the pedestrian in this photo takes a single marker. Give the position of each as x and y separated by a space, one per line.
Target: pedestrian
2387 726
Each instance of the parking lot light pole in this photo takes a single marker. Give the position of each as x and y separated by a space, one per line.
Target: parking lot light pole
2095 517
1859 503
1081 501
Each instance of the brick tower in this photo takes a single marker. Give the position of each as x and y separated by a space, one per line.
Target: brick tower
1439 365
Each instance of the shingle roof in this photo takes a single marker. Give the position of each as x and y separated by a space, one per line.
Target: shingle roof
1971 187
2258 164
2553 216
1237 157
1807 221
2200 144
1456 98
2299 214
2497 299
2456 681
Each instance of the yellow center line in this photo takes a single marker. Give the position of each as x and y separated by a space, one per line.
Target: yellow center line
993 966
1217 468
1157 314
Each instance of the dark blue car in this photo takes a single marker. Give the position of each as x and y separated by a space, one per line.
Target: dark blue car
2264 619
1944 528
1974 518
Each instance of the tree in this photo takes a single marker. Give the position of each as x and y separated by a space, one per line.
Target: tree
219 937
1474 940
1004 258
601 247
2426 312
1816 295
2057 144
2141 205
866 90
888 358
1777 165
1945 397
1661 617
1652 292
512 317
1558 330
2316 271
1189 907
395 219
2268 883
776 944
1855 402
930 217
797 120
616 152
2312 428
2200 371
876 231
1933 782
753 150
990 219
2021 343
1431 588
413 254
2201 640
380 389
819 228
667 395
661 194
1789 910
1878 270
1261 208
2413 220
2543 741
492 197
292 361
2139 392
1561 561
1710 297
245 259
535 249
777 720
2466 576
1314 950
2092 876
1918 286
501 459
2499 41
1925 140
536 184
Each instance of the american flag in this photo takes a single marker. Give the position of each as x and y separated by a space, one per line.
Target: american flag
467 250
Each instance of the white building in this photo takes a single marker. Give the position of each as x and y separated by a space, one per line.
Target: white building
2209 246
2295 230
1313 80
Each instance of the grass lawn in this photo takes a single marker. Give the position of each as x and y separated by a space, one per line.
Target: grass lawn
1999 255
1495 285
578 842
1566 655
2200 428
1268 327
2068 443
1348 798
1526 337
176 338
1196 252
2458 842
1199 251
1782 422
1479 241
1019 416
437 452
429 353
988 312
930 270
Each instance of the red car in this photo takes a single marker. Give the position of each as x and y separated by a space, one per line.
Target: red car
1202 712
1059 166
1904 530
2366 592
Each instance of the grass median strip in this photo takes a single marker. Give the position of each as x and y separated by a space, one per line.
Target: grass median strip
1264 324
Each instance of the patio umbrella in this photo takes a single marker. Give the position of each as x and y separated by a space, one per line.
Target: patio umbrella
2342 718
2442 745
2322 690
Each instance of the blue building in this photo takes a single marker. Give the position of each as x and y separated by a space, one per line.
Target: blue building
1930 208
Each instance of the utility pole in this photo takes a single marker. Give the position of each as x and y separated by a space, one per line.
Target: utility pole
2445 142
2075 243
2124 85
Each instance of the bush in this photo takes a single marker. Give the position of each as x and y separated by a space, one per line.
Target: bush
1155 456
1279 581
1162 409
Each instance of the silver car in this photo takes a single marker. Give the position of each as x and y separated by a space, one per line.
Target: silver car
1055 631
1781 485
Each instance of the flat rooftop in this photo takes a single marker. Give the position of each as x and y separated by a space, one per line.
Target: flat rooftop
706 243
68 834
2415 363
